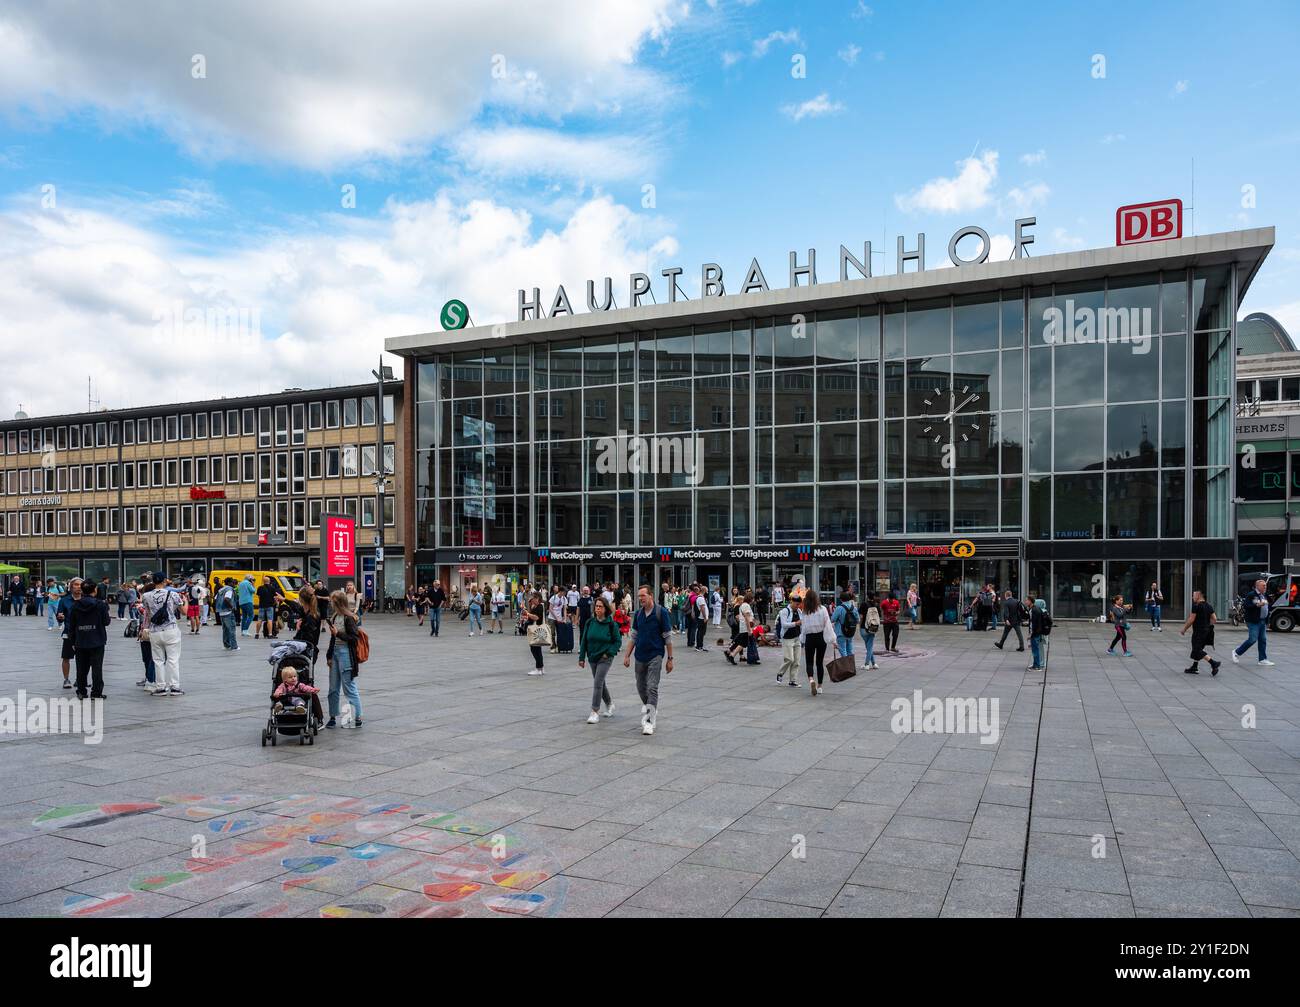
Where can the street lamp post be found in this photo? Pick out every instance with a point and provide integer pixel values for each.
(383, 374)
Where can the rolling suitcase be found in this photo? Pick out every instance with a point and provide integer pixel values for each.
(564, 637)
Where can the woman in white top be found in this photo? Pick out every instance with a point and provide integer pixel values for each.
(716, 597)
(816, 624)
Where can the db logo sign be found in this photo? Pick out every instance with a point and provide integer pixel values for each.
(1143, 222)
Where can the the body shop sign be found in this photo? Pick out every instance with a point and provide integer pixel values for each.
(338, 546)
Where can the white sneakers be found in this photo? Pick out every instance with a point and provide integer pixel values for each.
(1266, 663)
(594, 718)
(609, 709)
(648, 714)
(1235, 658)
(536, 671)
(647, 728)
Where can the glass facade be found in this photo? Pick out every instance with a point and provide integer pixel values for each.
(941, 417)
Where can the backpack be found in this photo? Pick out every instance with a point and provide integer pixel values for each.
(161, 617)
(1047, 624)
(850, 620)
(793, 630)
(873, 619)
(363, 646)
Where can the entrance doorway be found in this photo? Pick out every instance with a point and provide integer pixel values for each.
(940, 588)
(832, 578)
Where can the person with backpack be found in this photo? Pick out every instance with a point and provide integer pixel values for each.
(343, 657)
(844, 619)
(601, 641)
(1013, 614)
(163, 606)
(87, 628)
(1040, 627)
(789, 630)
(650, 640)
(870, 627)
(227, 606)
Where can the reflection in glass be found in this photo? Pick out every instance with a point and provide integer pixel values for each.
(837, 336)
(928, 507)
(1078, 509)
(1078, 443)
(837, 513)
(837, 394)
(975, 323)
(1131, 504)
(1131, 433)
(929, 327)
(974, 505)
(1173, 435)
(1133, 370)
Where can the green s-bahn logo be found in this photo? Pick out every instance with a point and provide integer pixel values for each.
(454, 315)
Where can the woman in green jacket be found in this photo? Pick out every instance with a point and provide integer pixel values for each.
(601, 639)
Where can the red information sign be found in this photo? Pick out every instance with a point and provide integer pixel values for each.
(339, 546)
(1143, 222)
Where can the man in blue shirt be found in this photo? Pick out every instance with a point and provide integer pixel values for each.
(1255, 605)
(246, 592)
(650, 640)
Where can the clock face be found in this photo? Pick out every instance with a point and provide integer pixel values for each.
(955, 404)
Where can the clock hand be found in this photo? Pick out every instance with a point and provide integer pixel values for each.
(968, 401)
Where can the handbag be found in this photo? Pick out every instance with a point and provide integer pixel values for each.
(841, 669)
(539, 635)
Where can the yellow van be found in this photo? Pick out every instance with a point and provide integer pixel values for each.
(285, 582)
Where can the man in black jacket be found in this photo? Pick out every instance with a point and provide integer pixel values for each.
(86, 624)
(1011, 619)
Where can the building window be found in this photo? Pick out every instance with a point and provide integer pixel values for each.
(264, 475)
(201, 517)
(245, 468)
(201, 426)
(299, 473)
(128, 432)
(173, 472)
(314, 464)
(218, 517)
(332, 469)
(281, 426)
(264, 430)
(315, 415)
(349, 459)
(349, 412)
(331, 415)
(173, 428)
(250, 516)
(313, 513)
(249, 420)
(218, 424)
(187, 427)
(172, 515)
(187, 471)
(388, 409)
(367, 412)
(281, 473)
(298, 420)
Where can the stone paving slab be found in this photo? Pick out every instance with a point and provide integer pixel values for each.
(1123, 786)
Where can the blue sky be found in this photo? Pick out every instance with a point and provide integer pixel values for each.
(494, 146)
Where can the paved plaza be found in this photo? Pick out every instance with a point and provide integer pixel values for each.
(1118, 788)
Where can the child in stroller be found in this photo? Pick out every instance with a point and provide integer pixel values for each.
(296, 708)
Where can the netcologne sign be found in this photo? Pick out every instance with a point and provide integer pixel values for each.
(712, 283)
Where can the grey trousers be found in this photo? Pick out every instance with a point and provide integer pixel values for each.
(647, 680)
(599, 692)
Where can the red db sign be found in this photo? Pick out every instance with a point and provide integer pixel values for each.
(1144, 222)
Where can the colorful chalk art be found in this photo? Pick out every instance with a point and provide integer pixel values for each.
(334, 857)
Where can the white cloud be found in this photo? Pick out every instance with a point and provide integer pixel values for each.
(1034, 158)
(970, 189)
(790, 37)
(1025, 198)
(1180, 87)
(862, 11)
(850, 53)
(813, 108)
(323, 83)
(730, 58)
(1287, 314)
(522, 151)
(1063, 239)
(1110, 138)
(87, 290)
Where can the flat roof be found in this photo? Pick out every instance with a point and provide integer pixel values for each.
(289, 395)
(1247, 248)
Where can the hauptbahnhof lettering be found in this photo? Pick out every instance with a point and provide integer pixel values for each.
(848, 431)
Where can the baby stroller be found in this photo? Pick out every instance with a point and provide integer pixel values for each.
(291, 721)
